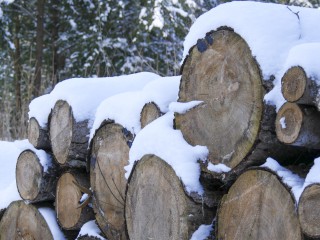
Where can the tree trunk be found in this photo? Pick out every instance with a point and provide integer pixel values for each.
(36, 182)
(69, 139)
(157, 205)
(22, 221)
(309, 214)
(150, 112)
(54, 16)
(258, 206)
(70, 214)
(37, 135)
(39, 48)
(297, 87)
(298, 125)
(233, 121)
(109, 155)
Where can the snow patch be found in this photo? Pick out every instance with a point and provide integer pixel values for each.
(218, 168)
(283, 122)
(183, 107)
(50, 217)
(203, 232)
(161, 139)
(91, 229)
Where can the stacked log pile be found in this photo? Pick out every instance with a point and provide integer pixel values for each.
(86, 178)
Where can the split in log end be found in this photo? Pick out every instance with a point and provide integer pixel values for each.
(68, 194)
(293, 84)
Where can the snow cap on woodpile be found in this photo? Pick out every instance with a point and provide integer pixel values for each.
(85, 94)
(125, 108)
(270, 30)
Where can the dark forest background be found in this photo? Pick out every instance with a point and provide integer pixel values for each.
(44, 42)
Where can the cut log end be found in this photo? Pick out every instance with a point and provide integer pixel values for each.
(227, 79)
(37, 135)
(149, 113)
(109, 156)
(258, 206)
(157, 206)
(309, 214)
(61, 125)
(68, 195)
(288, 123)
(22, 221)
(29, 175)
(293, 84)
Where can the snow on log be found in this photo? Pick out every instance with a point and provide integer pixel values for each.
(298, 125)
(233, 120)
(22, 221)
(108, 156)
(37, 135)
(308, 210)
(36, 177)
(149, 112)
(157, 206)
(258, 206)
(69, 139)
(72, 210)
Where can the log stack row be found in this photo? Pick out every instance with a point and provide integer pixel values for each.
(297, 124)
(240, 131)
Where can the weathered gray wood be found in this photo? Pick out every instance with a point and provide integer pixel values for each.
(70, 215)
(297, 87)
(108, 157)
(157, 206)
(149, 113)
(233, 121)
(298, 125)
(69, 139)
(257, 206)
(22, 221)
(37, 135)
(33, 182)
(309, 213)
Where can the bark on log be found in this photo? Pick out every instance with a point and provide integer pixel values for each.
(298, 125)
(258, 206)
(109, 154)
(308, 209)
(22, 221)
(37, 135)
(149, 113)
(297, 87)
(69, 139)
(233, 121)
(70, 214)
(157, 206)
(34, 182)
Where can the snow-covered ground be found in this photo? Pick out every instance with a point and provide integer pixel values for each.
(278, 36)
